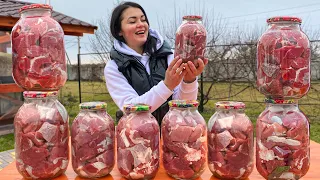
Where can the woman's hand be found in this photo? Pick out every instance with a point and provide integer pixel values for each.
(192, 71)
(175, 73)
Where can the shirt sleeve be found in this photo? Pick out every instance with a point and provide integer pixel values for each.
(185, 91)
(122, 92)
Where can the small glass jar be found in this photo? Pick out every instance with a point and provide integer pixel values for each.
(184, 135)
(93, 141)
(282, 141)
(283, 60)
(230, 141)
(190, 42)
(41, 136)
(138, 137)
(38, 52)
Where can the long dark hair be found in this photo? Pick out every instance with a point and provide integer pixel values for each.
(115, 25)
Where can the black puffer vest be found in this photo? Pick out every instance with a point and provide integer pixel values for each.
(138, 76)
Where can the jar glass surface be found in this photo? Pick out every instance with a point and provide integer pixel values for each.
(138, 142)
(41, 136)
(93, 141)
(190, 39)
(230, 141)
(184, 136)
(38, 52)
(282, 142)
(283, 60)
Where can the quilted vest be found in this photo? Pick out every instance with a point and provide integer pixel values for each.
(138, 77)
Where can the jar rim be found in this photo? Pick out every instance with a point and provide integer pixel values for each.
(284, 18)
(136, 107)
(192, 17)
(39, 94)
(183, 103)
(96, 105)
(35, 6)
(280, 101)
(230, 105)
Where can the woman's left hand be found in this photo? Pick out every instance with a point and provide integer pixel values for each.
(193, 71)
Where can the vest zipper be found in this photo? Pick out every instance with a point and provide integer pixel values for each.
(144, 68)
(151, 77)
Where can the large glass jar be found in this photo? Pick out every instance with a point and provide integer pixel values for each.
(282, 141)
(138, 137)
(184, 135)
(190, 42)
(38, 53)
(93, 141)
(41, 136)
(230, 141)
(283, 59)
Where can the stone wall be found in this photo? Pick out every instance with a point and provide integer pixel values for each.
(88, 72)
(5, 64)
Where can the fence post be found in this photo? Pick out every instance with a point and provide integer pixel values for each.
(201, 93)
(79, 77)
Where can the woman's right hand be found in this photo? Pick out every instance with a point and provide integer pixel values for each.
(174, 73)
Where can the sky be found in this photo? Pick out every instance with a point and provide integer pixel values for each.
(235, 13)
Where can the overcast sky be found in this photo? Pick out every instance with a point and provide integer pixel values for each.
(248, 12)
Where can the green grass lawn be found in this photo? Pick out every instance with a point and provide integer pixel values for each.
(91, 91)
(96, 91)
(6, 142)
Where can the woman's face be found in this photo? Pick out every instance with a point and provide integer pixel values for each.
(134, 27)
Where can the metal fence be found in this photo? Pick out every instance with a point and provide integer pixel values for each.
(229, 75)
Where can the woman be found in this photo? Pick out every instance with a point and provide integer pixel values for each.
(142, 67)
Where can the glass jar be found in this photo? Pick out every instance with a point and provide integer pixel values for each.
(41, 136)
(38, 53)
(93, 141)
(184, 135)
(282, 141)
(283, 60)
(138, 137)
(190, 42)
(230, 141)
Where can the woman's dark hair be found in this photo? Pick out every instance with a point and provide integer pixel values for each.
(115, 25)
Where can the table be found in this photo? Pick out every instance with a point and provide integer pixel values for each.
(10, 172)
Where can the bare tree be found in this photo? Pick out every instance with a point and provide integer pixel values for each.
(102, 40)
(231, 51)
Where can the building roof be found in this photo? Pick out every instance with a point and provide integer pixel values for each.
(9, 15)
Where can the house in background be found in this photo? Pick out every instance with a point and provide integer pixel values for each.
(10, 94)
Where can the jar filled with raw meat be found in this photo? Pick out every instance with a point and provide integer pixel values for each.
(283, 59)
(282, 141)
(138, 137)
(230, 141)
(184, 136)
(190, 42)
(38, 52)
(41, 136)
(93, 141)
